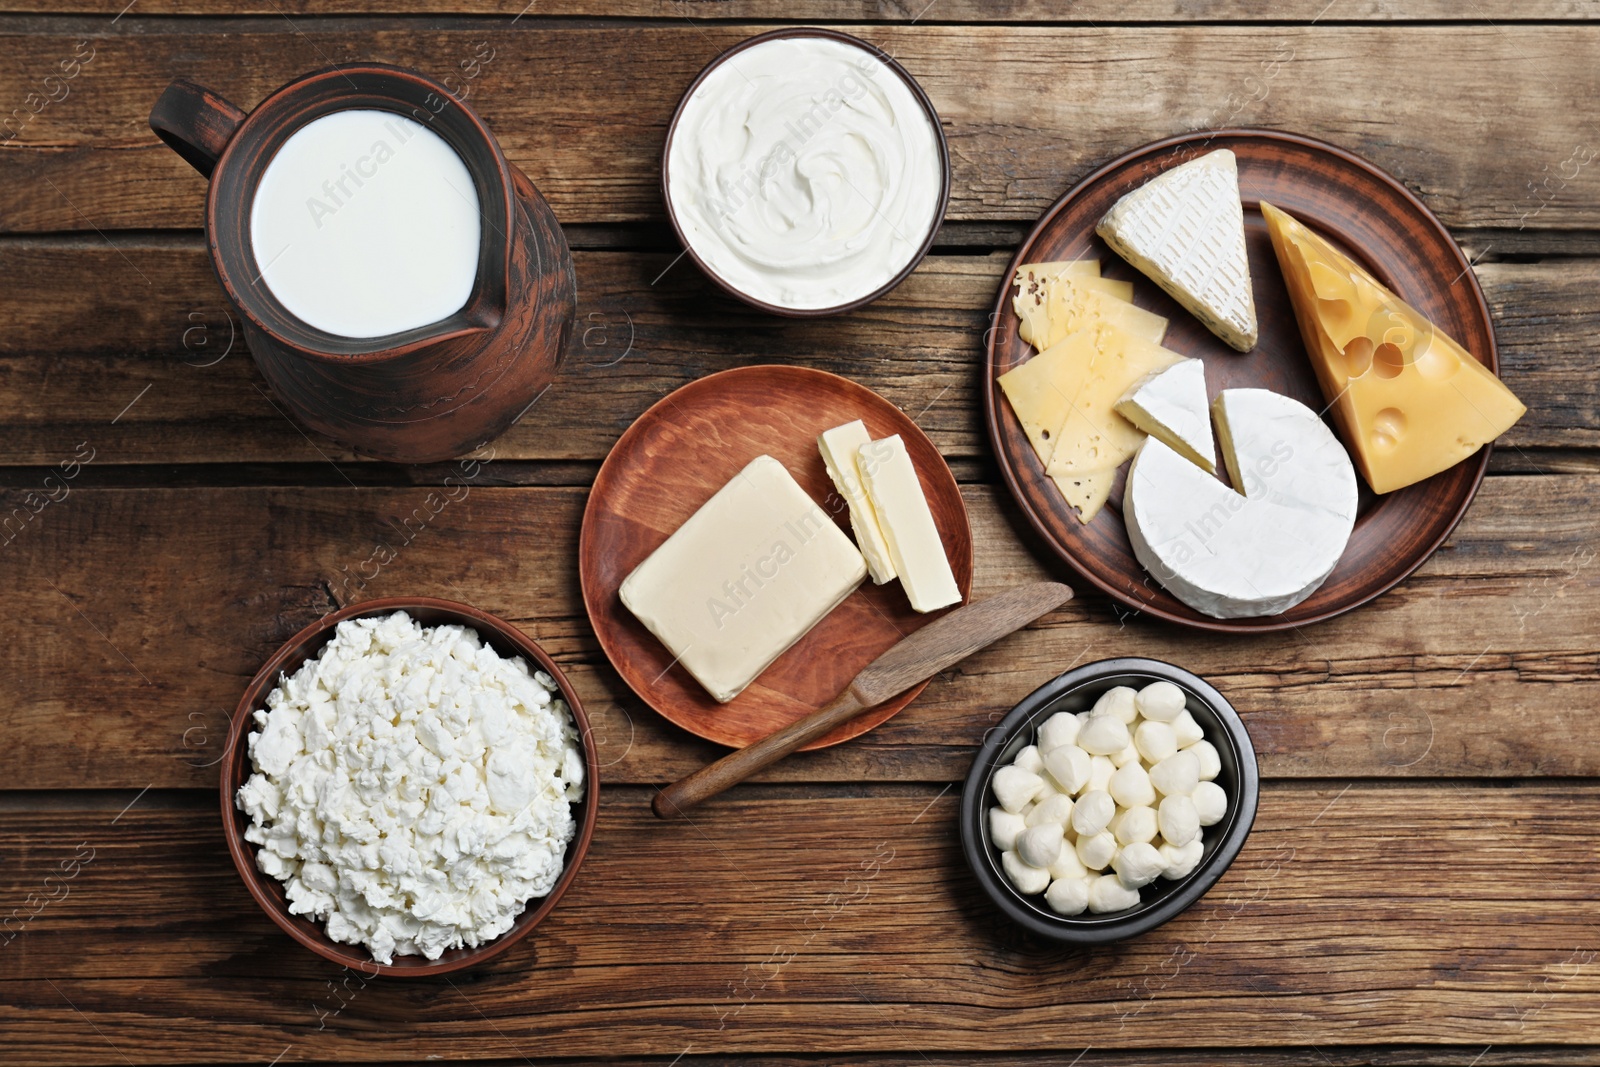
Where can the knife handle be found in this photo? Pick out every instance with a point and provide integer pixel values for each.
(736, 766)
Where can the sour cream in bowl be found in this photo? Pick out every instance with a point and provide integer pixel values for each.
(805, 171)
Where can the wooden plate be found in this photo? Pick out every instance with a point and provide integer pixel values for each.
(671, 461)
(1365, 213)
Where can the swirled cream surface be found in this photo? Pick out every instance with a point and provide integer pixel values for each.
(804, 172)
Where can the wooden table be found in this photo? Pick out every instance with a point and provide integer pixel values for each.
(1421, 882)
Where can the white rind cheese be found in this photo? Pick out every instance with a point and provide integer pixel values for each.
(908, 525)
(840, 447)
(1256, 552)
(1171, 404)
(1185, 229)
(742, 580)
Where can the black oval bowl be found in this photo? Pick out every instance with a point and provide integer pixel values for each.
(1077, 691)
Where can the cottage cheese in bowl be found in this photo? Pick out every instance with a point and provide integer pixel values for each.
(412, 788)
(804, 172)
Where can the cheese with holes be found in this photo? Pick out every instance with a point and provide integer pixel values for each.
(1086, 493)
(1260, 550)
(908, 526)
(742, 580)
(1029, 300)
(1409, 401)
(1074, 305)
(1105, 362)
(839, 447)
(1171, 404)
(1185, 229)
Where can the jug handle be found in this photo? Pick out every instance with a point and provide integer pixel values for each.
(195, 122)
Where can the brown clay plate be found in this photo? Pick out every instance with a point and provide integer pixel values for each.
(1361, 210)
(671, 461)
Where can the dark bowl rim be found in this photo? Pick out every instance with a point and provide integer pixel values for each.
(916, 91)
(1096, 930)
(489, 627)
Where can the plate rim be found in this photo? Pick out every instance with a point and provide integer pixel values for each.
(592, 604)
(1260, 624)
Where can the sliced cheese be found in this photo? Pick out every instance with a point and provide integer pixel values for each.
(908, 526)
(1185, 229)
(1041, 392)
(1171, 404)
(742, 580)
(1409, 401)
(1029, 300)
(1105, 362)
(1086, 493)
(839, 447)
(1074, 306)
(1263, 546)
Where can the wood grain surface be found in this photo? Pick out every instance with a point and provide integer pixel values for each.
(1419, 886)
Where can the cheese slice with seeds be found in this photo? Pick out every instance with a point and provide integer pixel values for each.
(1172, 405)
(1185, 229)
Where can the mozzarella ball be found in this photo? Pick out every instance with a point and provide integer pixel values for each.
(1135, 825)
(1161, 701)
(1177, 775)
(1131, 786)
(1069, 766)
(1118, 701)
(1180, 820)
(1068, 865)
(1028, 880)
(1059, 729)
(1104, 735)
(1014, 787)
(1040, 845)
(1210, 762)
(1126, 756)
(1107, 893)
(1101, 768)
(1210, 803)
(1057, 808)
(1068, 896)
(1095, 850)
(1179, 860)
(1138, 864)
(1029, 760)
(1093, 812)
(1004, 826)
(1155, 741)
(1187, 731)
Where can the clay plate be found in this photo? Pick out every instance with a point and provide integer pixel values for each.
(1363, 212)
(671, 461)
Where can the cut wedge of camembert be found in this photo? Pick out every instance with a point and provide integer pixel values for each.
(1171, 404)
(1259, 550)
(1409, 400)
(1185, 229)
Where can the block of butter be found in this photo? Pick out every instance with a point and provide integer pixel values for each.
(908, 526)
(747, 576)
(840, 446)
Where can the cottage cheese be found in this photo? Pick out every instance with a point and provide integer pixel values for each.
(413, 789)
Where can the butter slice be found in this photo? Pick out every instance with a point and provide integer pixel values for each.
(742, 580)
(908, 525)
(840, 447)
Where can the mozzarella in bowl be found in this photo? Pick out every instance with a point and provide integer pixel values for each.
(412, 788)
(804, 173)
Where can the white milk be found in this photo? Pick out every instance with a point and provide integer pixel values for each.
(366, 223)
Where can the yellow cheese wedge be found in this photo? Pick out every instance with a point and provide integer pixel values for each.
(1086, 493)
(1105, 362)
(1408, 400)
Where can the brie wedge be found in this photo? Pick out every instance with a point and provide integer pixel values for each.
(839, 447)
(1259, 550)
(1185, 229)
(1171, 404)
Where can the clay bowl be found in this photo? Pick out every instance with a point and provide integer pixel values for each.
(506, 640)
(916, 91)
(1162, 900)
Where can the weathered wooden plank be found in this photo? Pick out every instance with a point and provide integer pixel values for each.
(781, 922)
(1031, 12)
(146, 611)
(1027, 109)
(87, 336)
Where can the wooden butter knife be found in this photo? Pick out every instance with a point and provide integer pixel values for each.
(942, 643)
